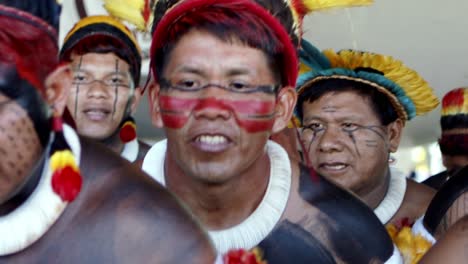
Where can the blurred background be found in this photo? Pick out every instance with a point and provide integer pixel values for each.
(427, 35)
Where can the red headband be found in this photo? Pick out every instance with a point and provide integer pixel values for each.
(32, 49)
(290, 67)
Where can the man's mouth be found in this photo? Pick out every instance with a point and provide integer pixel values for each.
(212, 140)
(333, 166)
(211, 143)
(96, 114)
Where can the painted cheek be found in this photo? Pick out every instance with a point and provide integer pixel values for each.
(175, 112)
(252, 115)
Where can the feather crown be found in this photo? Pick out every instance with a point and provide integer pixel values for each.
(455, 102)
(283, 16)
(454, 114)
(408, 92)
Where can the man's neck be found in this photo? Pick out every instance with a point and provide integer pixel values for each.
(374, 195)
(113, 142)
(223, 205)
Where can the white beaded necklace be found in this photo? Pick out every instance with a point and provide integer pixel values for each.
(261, 222)
(393, 198)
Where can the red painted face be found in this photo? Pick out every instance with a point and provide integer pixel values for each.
(252, 115)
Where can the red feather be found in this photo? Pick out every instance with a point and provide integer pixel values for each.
(146, 11)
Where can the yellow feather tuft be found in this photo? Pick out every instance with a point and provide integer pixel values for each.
(314, 5)
(415, 87)
(127, 10)
(61, 159)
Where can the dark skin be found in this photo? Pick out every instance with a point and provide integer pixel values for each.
(220, 170)
(119, 216)
(102, 96)
(452, 247)
(346, 142)
(457, 210)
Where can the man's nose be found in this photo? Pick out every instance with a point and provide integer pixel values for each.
(330, 140)
(97, 89)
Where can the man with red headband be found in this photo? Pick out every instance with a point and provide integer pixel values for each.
(223, 82)
(64, 199)
(106, 63)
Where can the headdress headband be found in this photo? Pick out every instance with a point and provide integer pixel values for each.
(34, 70)
(408, 92)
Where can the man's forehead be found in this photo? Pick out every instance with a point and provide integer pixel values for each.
(98, 63)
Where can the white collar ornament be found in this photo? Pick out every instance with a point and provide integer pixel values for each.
(130, 150)
(261, 222)
(393, 198)
(33, 218)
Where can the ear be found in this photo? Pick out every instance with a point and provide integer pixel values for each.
(137, 94)
(394, 131)
(286, 101)
(153, 97)
(58, 85)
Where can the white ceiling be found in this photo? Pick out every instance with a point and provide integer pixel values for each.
(429, 36)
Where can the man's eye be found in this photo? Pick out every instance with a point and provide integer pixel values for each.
(79, 78)
(349, 126)
(315, 127)
(116, 80)
(238, 86)
(187, 84)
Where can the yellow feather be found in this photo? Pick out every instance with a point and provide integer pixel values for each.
(128, 10)
(415, 87)
(313, 5)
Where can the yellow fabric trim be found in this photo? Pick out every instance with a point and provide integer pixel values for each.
(88, 21)
(415, 87)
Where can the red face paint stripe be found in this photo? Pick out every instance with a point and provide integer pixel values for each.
(246, 107)
(174, 121)
(174, 111)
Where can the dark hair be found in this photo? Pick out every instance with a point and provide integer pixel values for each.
(105, 44)
(379, 102)
(454, 121)
(229, 25)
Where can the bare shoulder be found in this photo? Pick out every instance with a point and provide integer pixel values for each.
(322, 214)
(457, 210)
(417, 198)
(452, 247)
(149, 223)
(419, 191)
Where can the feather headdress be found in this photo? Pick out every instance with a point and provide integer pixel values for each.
(408, 92)
(455, 106)
(139, 12)
(454, 122)
(283, 16)
(109, 28)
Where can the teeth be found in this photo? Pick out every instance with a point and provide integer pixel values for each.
(335, 167)
(212, 139)
(96, 111)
